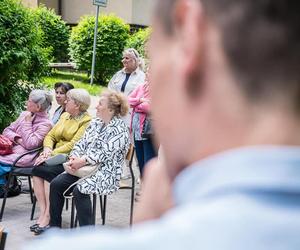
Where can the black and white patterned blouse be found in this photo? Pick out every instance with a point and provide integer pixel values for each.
(105, 146)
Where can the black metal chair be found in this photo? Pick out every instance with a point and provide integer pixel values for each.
(19, 171)
(103, 198)
(3, 236)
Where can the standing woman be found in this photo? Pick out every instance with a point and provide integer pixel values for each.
(139, 101)
(61, 139)
(61, 89)
(128, 78)
(125, 81)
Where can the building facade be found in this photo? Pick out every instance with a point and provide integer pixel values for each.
(134, 12)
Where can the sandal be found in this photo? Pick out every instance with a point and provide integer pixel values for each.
(33, 227)
(39, 230)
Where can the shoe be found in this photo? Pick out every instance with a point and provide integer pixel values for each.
(39, 230)
(33, 227)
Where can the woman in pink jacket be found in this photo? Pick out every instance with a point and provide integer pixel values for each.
(140, 124)
(27, 132)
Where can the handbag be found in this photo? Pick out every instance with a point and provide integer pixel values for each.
(147, 130)
(84, 171)
(56, 160)
(6, 145)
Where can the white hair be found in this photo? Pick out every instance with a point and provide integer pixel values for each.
(136, 56)
(42, 98)
(80, 97)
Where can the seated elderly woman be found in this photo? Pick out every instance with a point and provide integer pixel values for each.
(27, 132)
(104, 144)
(61, 139)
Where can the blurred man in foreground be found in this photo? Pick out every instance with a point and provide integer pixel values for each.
(226, 102)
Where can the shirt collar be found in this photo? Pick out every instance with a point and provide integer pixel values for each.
(133, 73)
(256, 168)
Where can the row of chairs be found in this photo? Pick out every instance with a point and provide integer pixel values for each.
(27, 172)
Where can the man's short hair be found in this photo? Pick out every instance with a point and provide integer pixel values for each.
(261, 39)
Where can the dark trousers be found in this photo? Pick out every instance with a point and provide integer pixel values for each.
(57, 187)
(84, 207)
(144, 152)
(82, 201)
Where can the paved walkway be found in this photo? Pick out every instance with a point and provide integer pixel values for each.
(16, 219)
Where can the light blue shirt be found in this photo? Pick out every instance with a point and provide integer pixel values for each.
(246, 199)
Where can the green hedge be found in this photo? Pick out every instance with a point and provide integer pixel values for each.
(22, 59)
(55, 33)
(138, 41)
(111, 40)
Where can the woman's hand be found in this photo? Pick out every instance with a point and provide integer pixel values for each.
(19, 141)
(43, 156)
(76, 162)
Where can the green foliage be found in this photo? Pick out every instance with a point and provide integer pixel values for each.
(79, 80)
(111, 40)
(138, 41)
(22, 59)
(55, 33)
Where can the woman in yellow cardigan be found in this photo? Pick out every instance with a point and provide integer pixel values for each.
(61, 139)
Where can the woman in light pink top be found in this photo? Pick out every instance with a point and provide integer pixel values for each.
(28, 131)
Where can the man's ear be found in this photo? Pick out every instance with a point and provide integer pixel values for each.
(189, 30)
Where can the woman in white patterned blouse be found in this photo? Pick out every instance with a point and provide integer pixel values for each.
(105, 144)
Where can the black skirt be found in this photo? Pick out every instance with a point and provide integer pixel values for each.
(47, 173)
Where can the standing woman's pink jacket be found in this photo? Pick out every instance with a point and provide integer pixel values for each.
(142, 91)
(32, 134)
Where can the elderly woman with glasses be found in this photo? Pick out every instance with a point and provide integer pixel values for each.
(60, 140)
(27, 132)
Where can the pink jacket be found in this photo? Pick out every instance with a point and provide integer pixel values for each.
(142, 91)
(32, 134)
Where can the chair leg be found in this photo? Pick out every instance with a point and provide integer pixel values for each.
(6, 186)
(33, 208)
(132, 190)
(30, 189)
(132, 203)
(67, 204)
(103, 208)
(72, 213)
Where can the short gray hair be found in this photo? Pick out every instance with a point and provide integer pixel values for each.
(81, 97)
(42, 98)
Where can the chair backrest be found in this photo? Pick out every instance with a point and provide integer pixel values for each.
(3, 236)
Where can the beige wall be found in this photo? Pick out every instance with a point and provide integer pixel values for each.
(73, 9)
(30, 3)
(132, 11)
(51, 4)
(142, 11)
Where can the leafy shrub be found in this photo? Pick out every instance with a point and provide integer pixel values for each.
(21, 58)
(55, 33)
(111, 40)
(138, 41)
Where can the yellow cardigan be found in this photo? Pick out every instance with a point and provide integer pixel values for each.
(66, 132)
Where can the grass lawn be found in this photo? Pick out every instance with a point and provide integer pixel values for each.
(79, 80)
